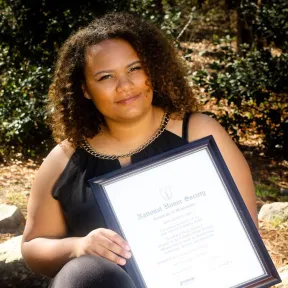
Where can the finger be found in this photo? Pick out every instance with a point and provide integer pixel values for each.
(113, 247)
(114, 237)
(105, 253)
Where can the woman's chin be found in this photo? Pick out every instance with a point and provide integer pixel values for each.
(132, 114)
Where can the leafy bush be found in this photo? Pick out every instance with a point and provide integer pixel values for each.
(33, 31)
(255, 88)
(254, 85)
(170, 15)
(31, 34)
(272, 24)
(22, 107)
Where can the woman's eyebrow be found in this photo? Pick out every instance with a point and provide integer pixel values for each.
(103, 71)
(108, 71)
(133, 63)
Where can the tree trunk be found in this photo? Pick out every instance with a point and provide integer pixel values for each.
(244, 27)
(200, 3)
(246, 18)
(260, 41)
(159, 9)
(285, 144)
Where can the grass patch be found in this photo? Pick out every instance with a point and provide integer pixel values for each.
(18, 199)
(269, 193)
(264, 191)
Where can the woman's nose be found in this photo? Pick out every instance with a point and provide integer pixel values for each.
(124, 84)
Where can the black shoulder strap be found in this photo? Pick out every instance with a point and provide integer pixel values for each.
(185, 125)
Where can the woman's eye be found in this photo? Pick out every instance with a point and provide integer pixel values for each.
(135, 68)
(105, 77)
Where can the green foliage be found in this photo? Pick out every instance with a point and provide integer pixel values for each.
(265, 191)
(169, 15)
(254, 85)
(272, 24)
(31, 34)
(22, 98)
(255, 88)
(267, 23)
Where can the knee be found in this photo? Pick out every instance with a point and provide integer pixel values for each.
(89, 271)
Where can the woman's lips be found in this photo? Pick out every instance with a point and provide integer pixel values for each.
(128, 99)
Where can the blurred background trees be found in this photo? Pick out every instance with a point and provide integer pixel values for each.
(236, 53)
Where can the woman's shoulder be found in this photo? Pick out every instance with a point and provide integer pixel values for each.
(66, 147)
(55, 162)
(61, 153)
(201, 125)
(197, 125)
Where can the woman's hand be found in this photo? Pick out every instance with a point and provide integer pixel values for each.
(105, 243)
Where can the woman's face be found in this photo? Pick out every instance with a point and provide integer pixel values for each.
(115, 81)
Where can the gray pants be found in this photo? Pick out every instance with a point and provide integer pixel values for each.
(90, 271)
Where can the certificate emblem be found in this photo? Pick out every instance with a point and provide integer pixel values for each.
(166, 193)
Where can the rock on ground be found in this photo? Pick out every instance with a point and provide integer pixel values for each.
(13, 270)
(276, 213)
(10, 217)
(283, 273)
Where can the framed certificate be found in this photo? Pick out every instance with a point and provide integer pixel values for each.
(185, 221)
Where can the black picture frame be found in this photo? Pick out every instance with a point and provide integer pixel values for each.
(98, 187)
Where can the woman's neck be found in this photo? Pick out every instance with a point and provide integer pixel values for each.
(137, 130)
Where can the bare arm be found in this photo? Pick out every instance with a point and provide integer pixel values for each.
(201, 125)
(45, 247)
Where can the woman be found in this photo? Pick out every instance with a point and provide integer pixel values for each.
(118, 96)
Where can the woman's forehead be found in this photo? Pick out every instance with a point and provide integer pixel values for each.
(112, 48)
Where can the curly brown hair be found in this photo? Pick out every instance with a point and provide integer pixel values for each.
(73, 116)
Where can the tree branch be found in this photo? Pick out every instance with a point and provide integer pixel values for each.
(185, 27)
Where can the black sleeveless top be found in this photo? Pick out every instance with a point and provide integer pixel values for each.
(80, 209)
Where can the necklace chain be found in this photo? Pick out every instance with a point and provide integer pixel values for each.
(159, 131)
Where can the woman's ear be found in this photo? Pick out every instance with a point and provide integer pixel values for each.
(86, 95)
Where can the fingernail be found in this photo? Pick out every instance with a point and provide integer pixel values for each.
(121, 261)
(128, 255)
(128, 247)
